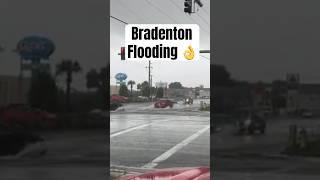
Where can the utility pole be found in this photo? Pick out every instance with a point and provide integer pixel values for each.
(149, 78)
(149, 68)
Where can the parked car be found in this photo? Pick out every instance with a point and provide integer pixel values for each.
(252, 124)
(19, 143)
(25, 116)
(163, 103)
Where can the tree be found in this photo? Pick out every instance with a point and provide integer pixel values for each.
(145, 89)
(175, 85)
(98, 80)
(278, 94)
(131, 83)
(92, 79)
(138, 86)
(153, 91)
(160, 92)
(221, 77)
(43, 93)
(123, 91)
(68, 67)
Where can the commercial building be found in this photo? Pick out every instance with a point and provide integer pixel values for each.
(309, 97)
(114, 90)
(180, 93)
(204, 92)
(13, 90)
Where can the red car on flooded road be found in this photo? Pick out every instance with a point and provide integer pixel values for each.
(163, 103)
(200, 173)
(118, 99)
(25, 116)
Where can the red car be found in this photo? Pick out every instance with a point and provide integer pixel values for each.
(163, 104)
(118, 99)
(200, 173)
(26, 116)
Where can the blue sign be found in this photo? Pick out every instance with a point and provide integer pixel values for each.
(121, 77)
(35, 48)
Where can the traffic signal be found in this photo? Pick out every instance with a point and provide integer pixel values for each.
(198, 2)
(122, 53)
(188, 6)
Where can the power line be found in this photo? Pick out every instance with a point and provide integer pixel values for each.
(125, 5)
(205, 11)
(160, 10)
(175, 4)
(205, 30)
(204, 57)
(118, 19)
(204, 20)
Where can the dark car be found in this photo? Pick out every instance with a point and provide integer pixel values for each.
(25, 116)
(163, 103)
(19, 143)
(188, 100)
(252, 124)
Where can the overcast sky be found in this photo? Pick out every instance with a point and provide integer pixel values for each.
(256, 40)
(262, 40)
(159, 12)
(78, 29)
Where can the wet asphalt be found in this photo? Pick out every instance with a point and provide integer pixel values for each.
(144, 135)
(250, 157)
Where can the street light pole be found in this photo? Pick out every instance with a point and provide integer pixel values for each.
(205, 51)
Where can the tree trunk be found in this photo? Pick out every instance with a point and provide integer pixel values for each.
(69, 80)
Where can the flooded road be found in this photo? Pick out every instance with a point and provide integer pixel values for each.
(146, 137)
(140, 136)
(258, 156)
(72, 154)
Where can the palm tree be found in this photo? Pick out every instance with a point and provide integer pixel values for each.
(68, 67)
(131, 83)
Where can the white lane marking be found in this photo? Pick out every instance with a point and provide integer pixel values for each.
(112, 135)
(129, 130)
(175, 149)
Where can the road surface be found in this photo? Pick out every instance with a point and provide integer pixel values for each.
(72, 154)
(145, 137)
(259, 156)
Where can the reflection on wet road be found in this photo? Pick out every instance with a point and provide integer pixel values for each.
(72, 154)
(258, 156)
(143, 136)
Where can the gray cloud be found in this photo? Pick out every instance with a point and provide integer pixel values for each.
(162, 12)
